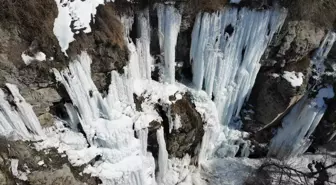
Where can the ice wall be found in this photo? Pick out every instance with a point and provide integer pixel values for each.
(294, 137)
(225, 52)
(169, 27)
(163, 155)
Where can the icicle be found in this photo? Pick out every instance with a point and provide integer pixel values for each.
(169, 27)
(143, 136)
(21, 120)
(322, 53)
(163, 155)
(10, 120)
(225, 52)
(143, 46)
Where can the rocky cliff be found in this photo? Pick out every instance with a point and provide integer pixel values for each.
(100, 93)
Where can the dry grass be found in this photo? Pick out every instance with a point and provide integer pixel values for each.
(35, 17)
(108, 23)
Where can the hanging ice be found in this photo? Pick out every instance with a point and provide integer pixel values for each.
(169, 27)
(293, 138)
(21, 121)
(107, 125)
(145, 60)
(163, 155)
(225, 52)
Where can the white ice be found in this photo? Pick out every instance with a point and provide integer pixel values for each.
(169, 27)
(225, 52)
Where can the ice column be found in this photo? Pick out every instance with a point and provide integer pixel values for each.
(143, 45)
(293, 138)
(21, 120)
(169, 27)
(163, 155)
(225, 52)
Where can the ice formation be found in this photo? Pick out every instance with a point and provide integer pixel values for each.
(225, 52)
(144, 60)
(293, 138)
(169, 27)
(18, 119)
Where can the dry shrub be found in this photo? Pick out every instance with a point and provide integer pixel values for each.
(108, 23)
(320, 12)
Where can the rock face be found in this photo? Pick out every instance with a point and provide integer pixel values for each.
(273, 95)
(296, 40)
(290, 51)
(45, 167)
(187, 131)
(183, 128)
(28, 29)
(106, 45)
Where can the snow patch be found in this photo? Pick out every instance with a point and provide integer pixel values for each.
(296, 79)
(39, 56)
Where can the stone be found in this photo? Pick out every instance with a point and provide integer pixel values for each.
(46, 120)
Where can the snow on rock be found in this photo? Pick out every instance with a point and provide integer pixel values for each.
(294, 78)
(225, 53)
(39, 56)
(17, 173)
(169, 27)
(73, 15)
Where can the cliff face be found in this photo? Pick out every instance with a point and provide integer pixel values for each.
(139, 36)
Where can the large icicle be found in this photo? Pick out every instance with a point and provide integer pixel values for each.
(293, 138)
(169, 27)
(143, 45)
(163, 155)
(225, 53)
(21, 121)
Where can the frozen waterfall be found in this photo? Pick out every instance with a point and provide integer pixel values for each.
(169, 27)
(107, 124)
(294, 136)
(225, 52)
